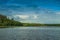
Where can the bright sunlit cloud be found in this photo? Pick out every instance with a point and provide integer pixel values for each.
(22, 16)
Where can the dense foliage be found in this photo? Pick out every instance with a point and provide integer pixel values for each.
(4, 21)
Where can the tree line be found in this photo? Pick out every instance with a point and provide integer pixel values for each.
(4, 21)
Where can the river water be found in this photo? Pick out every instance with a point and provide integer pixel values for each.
(30, 33)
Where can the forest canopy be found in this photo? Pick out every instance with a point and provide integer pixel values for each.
(4, 21)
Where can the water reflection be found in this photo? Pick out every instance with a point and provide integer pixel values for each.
(30, 33)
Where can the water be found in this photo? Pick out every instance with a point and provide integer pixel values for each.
(30, 33)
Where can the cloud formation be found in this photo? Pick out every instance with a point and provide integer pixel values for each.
(33, 11)
(26, 16)
(22, 16)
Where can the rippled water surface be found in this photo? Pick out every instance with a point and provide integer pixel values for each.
(30, 33)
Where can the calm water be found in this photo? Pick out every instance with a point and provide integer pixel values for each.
(30, 33)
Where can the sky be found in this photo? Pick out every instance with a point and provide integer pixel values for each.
(32, 11)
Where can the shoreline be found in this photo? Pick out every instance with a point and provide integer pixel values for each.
(25, 26)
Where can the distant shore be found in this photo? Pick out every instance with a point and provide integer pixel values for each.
(32, 25)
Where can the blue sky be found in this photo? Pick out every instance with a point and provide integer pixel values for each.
(32, 11)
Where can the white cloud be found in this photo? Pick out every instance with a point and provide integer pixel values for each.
(35, 16)
(22, 16)
(26, 16)
(57, 12)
